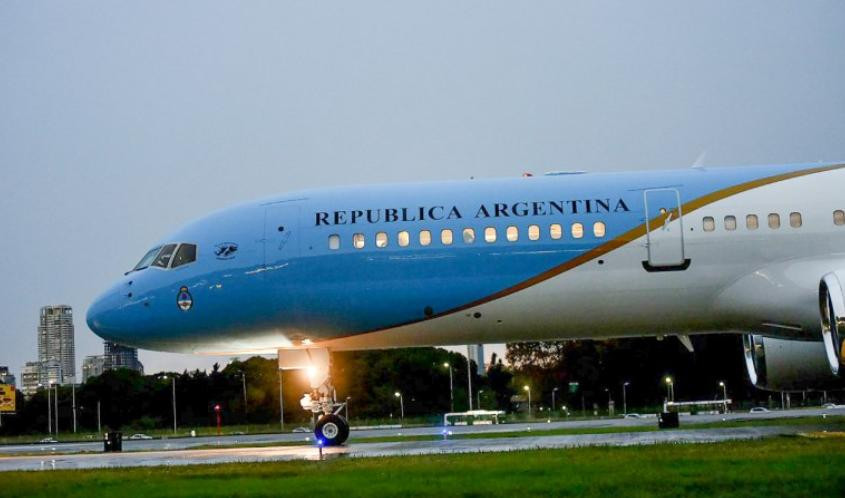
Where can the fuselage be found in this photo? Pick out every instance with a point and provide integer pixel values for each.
(590, 255)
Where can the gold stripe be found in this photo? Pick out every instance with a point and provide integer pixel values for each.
(638, 232)
(619, 241)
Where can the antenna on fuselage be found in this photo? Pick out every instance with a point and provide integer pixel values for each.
(699, 162)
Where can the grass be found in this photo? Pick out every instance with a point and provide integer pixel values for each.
(784, 466)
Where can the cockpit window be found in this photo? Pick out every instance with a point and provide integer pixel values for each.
(147, 259)
(164, 256)
(187, 253)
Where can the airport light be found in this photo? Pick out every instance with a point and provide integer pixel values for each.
(625, 397)
(173, 379)
(528, 390)
(217, 412)
(554, 391)
(451, 388)
(670, 388)
(397, 394)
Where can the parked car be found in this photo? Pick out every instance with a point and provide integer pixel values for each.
(829, 405)
(759, 409)
(47, 440)
(633, 415)
(301, 429)
(140, 436)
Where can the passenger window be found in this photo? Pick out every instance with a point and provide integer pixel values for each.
(512, 233)
(381, 240)
(730, 222)
(577, 230)
(187, 253)
(469, 235)
(555, 231)
(709, 224)
(404, 238)
(163, 258)
(774, 220)
(795, 220)
(358, 241)
(533, 232)
(839, 217)
(599, 229)
(751, 222)
(334, 242)
(425, 237)
(446, 237)
(490, 234)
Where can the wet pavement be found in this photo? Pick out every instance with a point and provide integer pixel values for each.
(361, 450)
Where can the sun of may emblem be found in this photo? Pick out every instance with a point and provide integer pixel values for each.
(184, 299)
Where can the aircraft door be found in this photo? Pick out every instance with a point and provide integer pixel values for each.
(281, 233)
(665, 230)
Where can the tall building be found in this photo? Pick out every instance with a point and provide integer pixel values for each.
(117, 356)
(6, 377)
(114, 356)
(55, 345)
(30, 378)
(93, 366)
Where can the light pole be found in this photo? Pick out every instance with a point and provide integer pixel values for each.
(528, 390)
(243, 381)
(401, 407)
(173, 379)
(469, 376)
(625, 397)
(451, 388)
(724, 394)
(281, 404)
(346, 407)
(554, 391)
(478, 400)
(56, 411)
(73, 403)
(99, 429)
(670, 389)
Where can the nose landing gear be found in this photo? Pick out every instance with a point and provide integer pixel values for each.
(331, 428)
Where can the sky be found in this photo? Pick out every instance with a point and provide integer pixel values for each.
(121, 121)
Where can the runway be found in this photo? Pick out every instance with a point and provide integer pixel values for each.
(362, 450)
(306, 438)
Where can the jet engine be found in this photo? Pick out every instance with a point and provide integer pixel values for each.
(787, 365)
(832, 310)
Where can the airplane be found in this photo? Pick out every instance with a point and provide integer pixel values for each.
(754, 250)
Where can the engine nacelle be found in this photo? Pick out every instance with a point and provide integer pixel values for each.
(787, 365)
(832, 311)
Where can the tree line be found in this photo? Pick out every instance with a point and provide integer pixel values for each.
(583, 374)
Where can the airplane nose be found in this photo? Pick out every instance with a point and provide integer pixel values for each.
(102, 317)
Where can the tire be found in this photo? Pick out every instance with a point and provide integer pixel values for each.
(332, 429)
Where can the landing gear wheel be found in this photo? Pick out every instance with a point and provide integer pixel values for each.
(332, 429)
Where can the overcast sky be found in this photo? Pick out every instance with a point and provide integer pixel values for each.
(119, 122)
